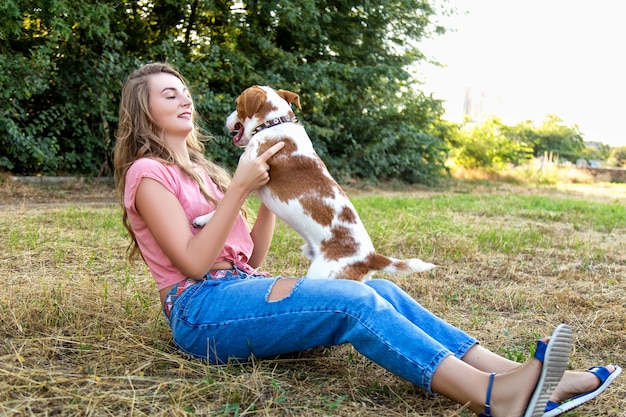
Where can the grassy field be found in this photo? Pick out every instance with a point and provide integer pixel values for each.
(82, 333)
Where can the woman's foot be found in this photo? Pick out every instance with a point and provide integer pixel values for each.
(576, 383)
(569, 395)
(512, 390)
(526, 389)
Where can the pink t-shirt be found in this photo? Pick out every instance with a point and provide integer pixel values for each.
(238, 247)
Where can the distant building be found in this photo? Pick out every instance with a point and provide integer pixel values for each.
(582, 163)
(481, 104)
(594, 145)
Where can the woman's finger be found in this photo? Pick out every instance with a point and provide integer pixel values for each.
(271, 151)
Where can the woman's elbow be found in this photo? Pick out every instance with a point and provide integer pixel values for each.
(190, 270)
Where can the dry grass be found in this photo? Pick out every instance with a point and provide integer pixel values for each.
(82, 334)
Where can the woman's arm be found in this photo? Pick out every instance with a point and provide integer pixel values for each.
(261, 234)
(193, 254)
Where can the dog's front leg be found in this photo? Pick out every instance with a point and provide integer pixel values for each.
(200, 221)
(252, 149)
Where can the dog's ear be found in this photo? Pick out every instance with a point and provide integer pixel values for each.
(250, 101)
(290, 97)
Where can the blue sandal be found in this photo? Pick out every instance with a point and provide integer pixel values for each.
(554, 356)
(606, 378)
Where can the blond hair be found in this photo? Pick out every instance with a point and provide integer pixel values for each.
(138, 136)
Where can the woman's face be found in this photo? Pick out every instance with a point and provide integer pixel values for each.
(170, 105)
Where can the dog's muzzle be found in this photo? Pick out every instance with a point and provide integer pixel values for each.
(238, 131)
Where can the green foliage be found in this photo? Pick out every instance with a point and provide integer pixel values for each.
(617, 157)
(597, 151)
(489, 146)
(492, 145)
(62, 63)
(553, 137)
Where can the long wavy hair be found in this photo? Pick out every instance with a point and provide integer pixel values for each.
(138, 136)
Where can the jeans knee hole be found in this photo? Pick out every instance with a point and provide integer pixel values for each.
(281, 288)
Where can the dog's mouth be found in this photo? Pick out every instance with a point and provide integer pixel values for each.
(238, 131)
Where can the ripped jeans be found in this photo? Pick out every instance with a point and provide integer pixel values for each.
(231, 318)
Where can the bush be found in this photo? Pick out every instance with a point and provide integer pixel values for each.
(486, 146)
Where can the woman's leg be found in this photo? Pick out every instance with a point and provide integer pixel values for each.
(268, 317)
(572, 384)
(455, 340)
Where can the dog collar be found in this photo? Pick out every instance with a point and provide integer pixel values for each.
(274, 122)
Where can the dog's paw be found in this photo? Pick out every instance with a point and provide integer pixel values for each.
(200, 221)
(307, 251)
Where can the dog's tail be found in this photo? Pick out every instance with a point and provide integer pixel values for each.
(399, 266)
(363, 270)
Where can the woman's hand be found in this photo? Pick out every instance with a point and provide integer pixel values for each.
(253, 173)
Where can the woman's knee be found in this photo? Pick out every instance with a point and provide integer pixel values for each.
(339, 291)
(282, 288)
(383, 286)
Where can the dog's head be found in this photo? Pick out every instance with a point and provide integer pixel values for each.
(258, 105)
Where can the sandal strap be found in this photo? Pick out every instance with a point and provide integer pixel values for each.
(601, 372)
(487, 412)
(540, 351)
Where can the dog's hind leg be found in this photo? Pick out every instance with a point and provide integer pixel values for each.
(307, 251)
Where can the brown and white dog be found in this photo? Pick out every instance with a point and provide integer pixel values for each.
(303, 194)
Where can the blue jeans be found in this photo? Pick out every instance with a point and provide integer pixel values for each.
(231, 318)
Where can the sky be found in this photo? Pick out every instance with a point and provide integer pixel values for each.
(530, 58)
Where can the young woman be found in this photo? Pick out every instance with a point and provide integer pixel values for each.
(219, 307)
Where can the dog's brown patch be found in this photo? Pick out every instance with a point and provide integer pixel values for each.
(287, 169)
(355, 271)
(320, 211)
(299, 177)
(373, 262)
(348, 215)
(340, 245)
(401, 266)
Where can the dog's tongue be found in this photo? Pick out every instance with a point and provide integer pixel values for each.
(238, 134)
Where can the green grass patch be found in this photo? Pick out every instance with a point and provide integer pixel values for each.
(82, 333)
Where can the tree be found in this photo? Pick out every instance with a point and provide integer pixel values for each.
(490, 145)
(63, 62)
(552, 136)
(617, 157)
(347, 60)
(59, 66)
